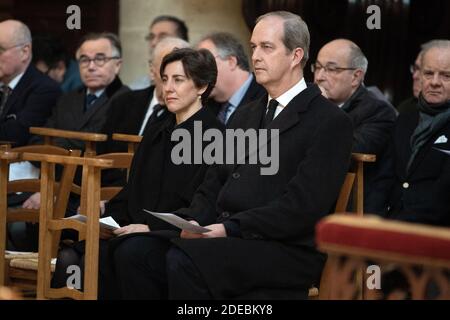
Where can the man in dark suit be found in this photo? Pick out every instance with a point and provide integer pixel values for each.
(235, 85)
(26, 95)
(420, 168)
(339, 70)
(261, 243)
(99, 60)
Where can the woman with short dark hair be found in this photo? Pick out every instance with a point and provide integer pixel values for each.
(156, 182)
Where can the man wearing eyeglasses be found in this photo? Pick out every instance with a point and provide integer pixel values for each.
(160, 28)
(99, 59)
(26, 95)
(339, 71)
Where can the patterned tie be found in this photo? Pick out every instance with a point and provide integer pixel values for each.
(273, 104)
(222, 115)
(90, 99)
(5, 92)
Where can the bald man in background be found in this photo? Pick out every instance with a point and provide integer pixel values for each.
(339, 71)
(26, 95)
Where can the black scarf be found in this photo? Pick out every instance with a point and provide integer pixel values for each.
(433, 117)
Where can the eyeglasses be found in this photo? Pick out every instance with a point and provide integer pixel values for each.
(159, 36)
(330, 69)
(99, 60)
(413, 68)
(3, 50)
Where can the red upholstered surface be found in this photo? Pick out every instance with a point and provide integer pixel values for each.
(382, 240)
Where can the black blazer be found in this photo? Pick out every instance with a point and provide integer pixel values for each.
(373, 121)
(155, 183)
(276, 214)
(254, 92)
(29, 105)
(69, 113)
(422, 194)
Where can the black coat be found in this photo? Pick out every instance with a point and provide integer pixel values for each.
(373, 120)
(254, 92)
(423, 194)
(276, 214)
(155, 183)
(69, 113)
(126, 115)
(29, 105)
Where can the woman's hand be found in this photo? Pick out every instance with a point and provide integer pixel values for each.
(131, 228)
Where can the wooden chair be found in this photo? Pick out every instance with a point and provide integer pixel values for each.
(353, 185)
(89, 139)
(131, 140)
(15, 272)
(50, 225)
(419, 253)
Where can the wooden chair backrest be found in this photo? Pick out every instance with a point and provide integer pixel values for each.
(90, 139)
(30, 185)
(131, 140)
(49, 224)
(353, 183)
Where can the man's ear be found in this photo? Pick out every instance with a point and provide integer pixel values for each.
(298, 56)
(26, 52)
(357, 78)
(232, 62)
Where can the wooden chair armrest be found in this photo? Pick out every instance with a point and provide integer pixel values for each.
(93, 162)
(364, 157)
(127, 137)
(57, 133)
(8, 155)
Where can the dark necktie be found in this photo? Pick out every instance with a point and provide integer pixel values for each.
(154, 116)
(4, 94)
(222, 115)
(273, 104)
(90, 100)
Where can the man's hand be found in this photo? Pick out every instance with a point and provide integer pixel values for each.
(217, 231)
(188, 235)
(132, 228)
(33, 202)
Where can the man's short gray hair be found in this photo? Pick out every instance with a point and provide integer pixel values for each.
(227, 45)
(357, 59)
(296, 33)
(166, 42)
(437, 43)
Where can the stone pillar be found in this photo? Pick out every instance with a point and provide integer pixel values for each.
(201, 17)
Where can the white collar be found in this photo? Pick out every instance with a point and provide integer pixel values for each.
(13, 83)
(286, 97)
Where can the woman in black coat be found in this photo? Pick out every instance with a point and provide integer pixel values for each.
(156, 182)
